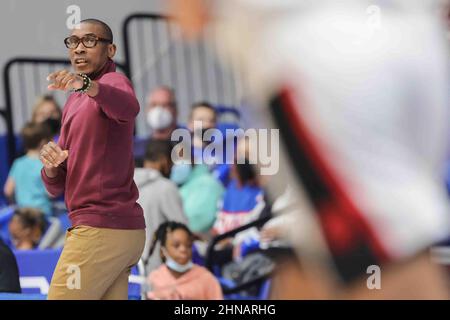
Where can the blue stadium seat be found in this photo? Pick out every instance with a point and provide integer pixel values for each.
(5, 217)
(4, 162)
(227, 113)
(4, 167)
(196, 256)
(36, 269)
(249, 246)
(223, 126)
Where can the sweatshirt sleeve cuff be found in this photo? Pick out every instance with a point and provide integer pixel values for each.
(50, 181)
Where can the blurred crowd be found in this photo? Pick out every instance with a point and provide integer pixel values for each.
(201, 199)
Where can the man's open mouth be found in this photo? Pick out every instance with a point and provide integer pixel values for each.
(80, 61)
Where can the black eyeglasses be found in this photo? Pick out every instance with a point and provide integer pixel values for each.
(89, 41)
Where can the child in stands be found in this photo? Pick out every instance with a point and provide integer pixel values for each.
(26, 228)
(178, 278)
(24, 185)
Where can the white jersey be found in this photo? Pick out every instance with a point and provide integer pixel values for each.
(364, 109)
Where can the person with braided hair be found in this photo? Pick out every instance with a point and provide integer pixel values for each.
(179, 278)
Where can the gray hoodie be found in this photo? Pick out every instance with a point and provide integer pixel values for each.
(161, 201)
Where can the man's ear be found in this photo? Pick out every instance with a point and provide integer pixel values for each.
(112, 50)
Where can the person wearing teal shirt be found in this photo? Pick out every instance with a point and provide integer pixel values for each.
(201, 194)
(24, 182)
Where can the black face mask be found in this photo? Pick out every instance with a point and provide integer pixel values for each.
(54, 125)
(246, 172)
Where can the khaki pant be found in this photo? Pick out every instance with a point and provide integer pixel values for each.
(95, 263)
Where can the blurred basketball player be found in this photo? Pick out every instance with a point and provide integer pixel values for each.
(359, 91)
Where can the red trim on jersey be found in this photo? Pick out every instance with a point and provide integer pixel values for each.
(339, 218)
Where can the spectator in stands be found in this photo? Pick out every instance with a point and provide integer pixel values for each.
(202, 113)
(26, 228)
(161, 116)
(24, 184)
(243, 194)
(162, 112)
(243, 203)
(158, 195)
(9, 273)
(201, 194)
(179, 278)
(47, 110)
(203, 116)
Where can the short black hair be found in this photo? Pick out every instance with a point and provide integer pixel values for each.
(203, 104)
(157, 149)
(106, 29)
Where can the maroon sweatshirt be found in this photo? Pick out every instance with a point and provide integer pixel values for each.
(97, 176)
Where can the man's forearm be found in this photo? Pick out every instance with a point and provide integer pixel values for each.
(115, 96)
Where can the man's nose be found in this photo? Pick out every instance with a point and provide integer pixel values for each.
(80, 48)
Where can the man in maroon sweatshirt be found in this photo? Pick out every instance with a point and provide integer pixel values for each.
(93, 164)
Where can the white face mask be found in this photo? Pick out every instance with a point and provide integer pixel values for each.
(180, 173)
(175, 266)
(159, 118)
